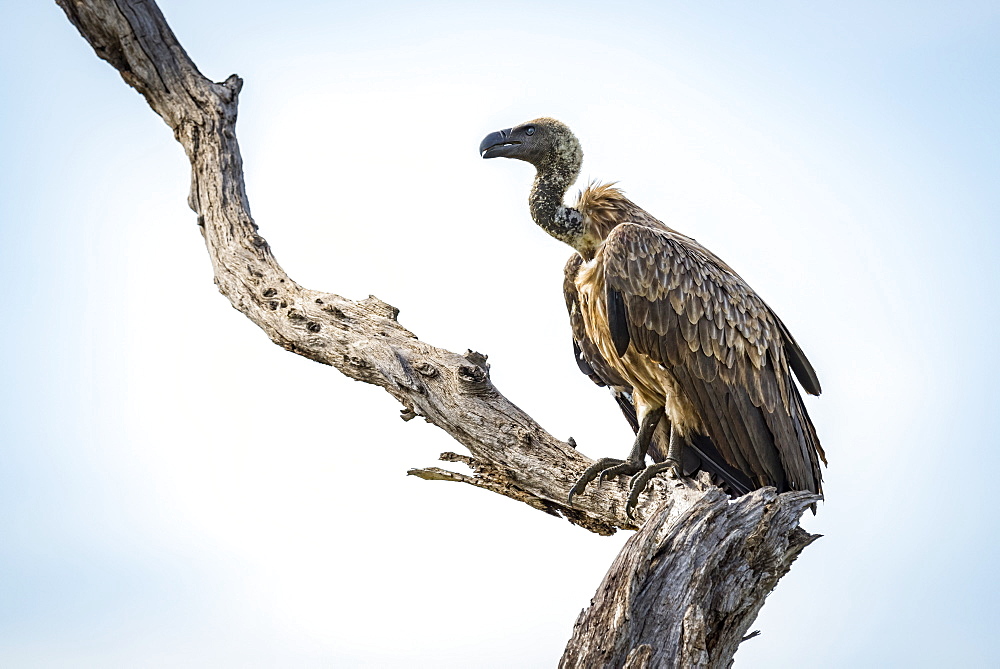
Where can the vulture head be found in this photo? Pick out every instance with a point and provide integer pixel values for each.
(545, 143)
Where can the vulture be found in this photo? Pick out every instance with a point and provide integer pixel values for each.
(700, 365)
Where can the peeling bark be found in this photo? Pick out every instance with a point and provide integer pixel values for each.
(685, 588)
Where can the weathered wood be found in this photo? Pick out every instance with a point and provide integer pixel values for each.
(687, 586)
(362, 338)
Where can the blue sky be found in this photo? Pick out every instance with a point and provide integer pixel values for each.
(177, 491)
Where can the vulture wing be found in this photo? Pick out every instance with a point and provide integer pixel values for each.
(588, 357)
(688, 311)
(592, 363)
(704, 455)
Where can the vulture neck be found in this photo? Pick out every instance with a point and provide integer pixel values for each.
(552, 180)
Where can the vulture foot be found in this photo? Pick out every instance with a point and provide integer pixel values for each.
(602, 470)
(642, 479)
(627, 467)
(606, 468)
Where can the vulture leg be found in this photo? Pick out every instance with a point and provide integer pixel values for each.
(672, 465)
(606, 468)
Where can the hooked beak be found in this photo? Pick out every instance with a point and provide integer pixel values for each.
(497, 144)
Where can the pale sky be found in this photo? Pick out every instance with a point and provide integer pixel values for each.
(175, 490)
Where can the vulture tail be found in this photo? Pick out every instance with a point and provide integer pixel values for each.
(736, 482)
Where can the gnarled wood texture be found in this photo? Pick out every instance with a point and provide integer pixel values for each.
(688, 584)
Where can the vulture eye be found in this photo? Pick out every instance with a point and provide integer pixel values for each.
(530, 130)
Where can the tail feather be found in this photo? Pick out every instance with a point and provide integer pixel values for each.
(736, 483)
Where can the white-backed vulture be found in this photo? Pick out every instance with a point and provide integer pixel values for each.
(697, 361)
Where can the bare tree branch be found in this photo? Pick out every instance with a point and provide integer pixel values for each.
(362, 338)
(687, 586)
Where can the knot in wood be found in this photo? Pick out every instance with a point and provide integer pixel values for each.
(269, 292)
(355, 361)
(478, 359)
(336, 312)
(472, 375)
(427, 369)
(312, 326)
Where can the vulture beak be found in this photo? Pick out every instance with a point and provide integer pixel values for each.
(498, 144)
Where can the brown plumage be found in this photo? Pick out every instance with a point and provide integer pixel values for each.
(668, 325)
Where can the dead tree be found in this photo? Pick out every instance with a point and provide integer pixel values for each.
(687, 585)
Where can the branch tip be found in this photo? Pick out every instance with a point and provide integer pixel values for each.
(448, 456)
(438, 474)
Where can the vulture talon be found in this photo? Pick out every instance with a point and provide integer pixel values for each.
(628, 468)
(641, 480)
(606, 468)
(602, 470)
(591, 473)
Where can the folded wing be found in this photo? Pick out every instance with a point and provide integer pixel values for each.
(730, 355)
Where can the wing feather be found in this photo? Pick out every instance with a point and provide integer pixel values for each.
(617, 322)
(730, 355)
(592, 363)
(588, 356)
